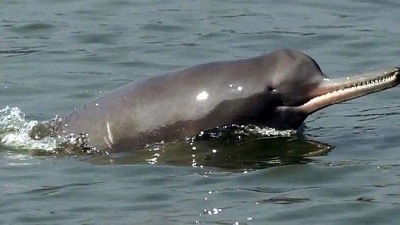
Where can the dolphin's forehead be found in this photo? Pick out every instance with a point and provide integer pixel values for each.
(294, 68)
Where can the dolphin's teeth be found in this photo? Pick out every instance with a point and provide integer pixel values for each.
(344, 93)
(365, 84)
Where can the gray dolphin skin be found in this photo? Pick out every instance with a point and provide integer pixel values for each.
(277, 90)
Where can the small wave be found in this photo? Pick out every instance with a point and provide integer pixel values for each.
(268, 132)
(252, 130)
(15, 134)
(241, 133)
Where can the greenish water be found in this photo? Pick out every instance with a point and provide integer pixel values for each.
(57, 55)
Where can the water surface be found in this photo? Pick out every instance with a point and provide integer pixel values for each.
(57, 55)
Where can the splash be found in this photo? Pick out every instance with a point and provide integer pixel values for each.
(14, 133)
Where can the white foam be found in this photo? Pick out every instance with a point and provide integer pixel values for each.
(267, 132)
(14, 132)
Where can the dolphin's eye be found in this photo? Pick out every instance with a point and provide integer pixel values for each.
(270, 89)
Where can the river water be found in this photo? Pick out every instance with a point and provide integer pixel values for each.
(57, 55)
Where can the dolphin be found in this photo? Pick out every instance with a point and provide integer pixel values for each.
(277, 90)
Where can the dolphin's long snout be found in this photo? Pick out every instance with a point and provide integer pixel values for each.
(339, 90)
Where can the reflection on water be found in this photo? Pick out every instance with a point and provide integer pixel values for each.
(248, 154)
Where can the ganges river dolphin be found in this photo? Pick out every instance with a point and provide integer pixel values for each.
(277, 90)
